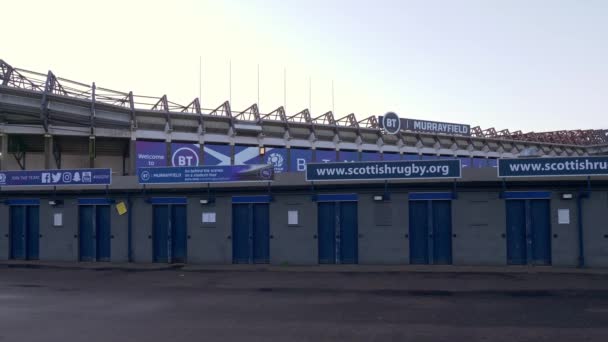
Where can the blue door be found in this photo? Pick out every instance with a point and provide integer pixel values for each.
(430, 227)
(18, 232)
(540, 224)
(94, 233)
(516, 232)
(419, 232)
(250, 233)
(327, 232)
(170, 231)
(103, 233)
(442, 232)
(179, 232)
(160, 233)
(338, 232)
(240, 233)
(349, 237)
(24, 230)
(86, 242)
(261, 233)
(528, 231)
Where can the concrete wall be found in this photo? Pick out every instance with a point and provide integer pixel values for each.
(383, 230)
(478, 227)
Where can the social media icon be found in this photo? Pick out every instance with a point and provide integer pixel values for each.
(67, 177)
(46, 178)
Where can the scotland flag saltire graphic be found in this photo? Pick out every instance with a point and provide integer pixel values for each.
(216, 154)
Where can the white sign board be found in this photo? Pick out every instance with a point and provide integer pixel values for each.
(563, 216)
(292, 217)
(208, 217)
(57, 219)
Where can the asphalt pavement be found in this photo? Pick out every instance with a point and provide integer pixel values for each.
(147, 304)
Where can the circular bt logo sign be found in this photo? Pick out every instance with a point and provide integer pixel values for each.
(145, 175)
(391, 123)
(185, 156)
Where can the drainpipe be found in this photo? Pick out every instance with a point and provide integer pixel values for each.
(581, 241)
(129, 228)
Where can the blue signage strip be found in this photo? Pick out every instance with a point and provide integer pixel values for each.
(431, 196)
(384, 170)
(56, 177)
(511, 195)
(205, 174)
(543, 167)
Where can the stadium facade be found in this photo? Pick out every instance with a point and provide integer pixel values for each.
(66, 129)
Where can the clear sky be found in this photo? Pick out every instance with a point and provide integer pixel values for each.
(519, 64)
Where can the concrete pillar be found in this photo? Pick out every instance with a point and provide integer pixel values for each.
(3, 150)
(49, 158)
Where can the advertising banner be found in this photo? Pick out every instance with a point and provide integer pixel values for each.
(392, 124)
(216, 154)
(205, 174)
(325, 156)
(246, 155)
(56, 177)
(150, 153)
(348, 156)
(277, 157)
(185, 154)
(385, 170)
(299, 158)
(542, 167)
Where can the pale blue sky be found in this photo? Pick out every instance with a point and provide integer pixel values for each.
(530, 65)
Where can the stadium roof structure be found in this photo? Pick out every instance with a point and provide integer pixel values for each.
(42, 103)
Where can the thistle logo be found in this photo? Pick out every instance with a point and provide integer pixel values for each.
(185, 156)
(2, 178)
(277, 160)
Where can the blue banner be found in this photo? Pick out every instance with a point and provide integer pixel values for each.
(278, 158)
(185, 154)
(542, 167)
(298, 159)
(216, 154)
(246, 155)
(56, 177)
(205, 174)
(384, 170)
(150, 153)
(371, 156)
(325, 156)
(348, 156)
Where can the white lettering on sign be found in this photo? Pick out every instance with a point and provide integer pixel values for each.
(301, 164)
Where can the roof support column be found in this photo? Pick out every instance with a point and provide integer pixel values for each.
(132, 169)
(92, 151)
(49, 153)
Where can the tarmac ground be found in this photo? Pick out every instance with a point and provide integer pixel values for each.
(152, 303)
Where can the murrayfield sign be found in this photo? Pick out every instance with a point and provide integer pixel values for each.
(56, 177)
(542, 167)
(383, 170)
(392, 124)
(205, 174)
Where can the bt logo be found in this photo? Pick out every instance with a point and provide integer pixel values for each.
(185, 156)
